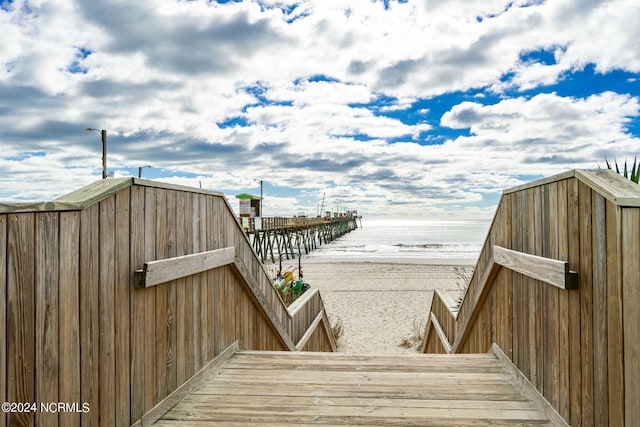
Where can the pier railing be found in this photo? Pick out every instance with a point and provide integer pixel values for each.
(557, 290)
(118, 298)
(281, 223)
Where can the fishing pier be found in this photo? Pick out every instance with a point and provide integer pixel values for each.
(271, 237)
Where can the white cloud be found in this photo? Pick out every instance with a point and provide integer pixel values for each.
(161, 76)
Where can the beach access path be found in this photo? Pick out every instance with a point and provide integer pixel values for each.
(380, 301)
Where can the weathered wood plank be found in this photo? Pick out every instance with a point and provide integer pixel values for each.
(171, 296)
(552, 297)
(46, 276)
(180, 285)
(3, 315)
(600, 340)
(505, 293)
(186, 247)
(620, 191)
(586, 306)
(527, 388)
(214, 295)
(195, 381)
(631, 310)
(575, 298)
(20, 315)
(69, 315)
(255, 391)
(122, 326)
(206, 320)
(137, 298)
(563, 306)
(615, 323)
(163, 319)
(90, 313)
(196, 286)
(165, 270)
(151, 355)
(516, 244)
(107, 365)
(535, 291)
(551, 271)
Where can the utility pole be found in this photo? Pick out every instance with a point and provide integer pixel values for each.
(103, 136)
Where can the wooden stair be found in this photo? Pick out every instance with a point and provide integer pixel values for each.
(300, 388)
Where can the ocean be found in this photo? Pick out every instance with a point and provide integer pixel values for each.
(409, 238)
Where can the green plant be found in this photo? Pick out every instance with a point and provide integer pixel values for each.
(632, 174)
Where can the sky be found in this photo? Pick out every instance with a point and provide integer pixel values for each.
(394, 108)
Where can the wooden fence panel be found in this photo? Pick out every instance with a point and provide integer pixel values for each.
(75, 329)
(580, 348)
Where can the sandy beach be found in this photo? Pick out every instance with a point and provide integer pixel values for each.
(379, 301)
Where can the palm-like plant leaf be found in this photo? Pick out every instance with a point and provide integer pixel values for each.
(633, 174)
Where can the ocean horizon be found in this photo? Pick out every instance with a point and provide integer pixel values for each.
(409, 238)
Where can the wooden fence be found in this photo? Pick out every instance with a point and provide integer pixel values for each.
(576, 342)
(84, 321)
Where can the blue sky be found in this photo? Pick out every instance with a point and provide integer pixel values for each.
(395, 108)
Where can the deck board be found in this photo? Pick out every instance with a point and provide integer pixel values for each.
(283, 388)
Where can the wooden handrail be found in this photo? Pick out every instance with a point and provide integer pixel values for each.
(309, 332)
(547, 270)
(256, 292)
(521, 263)
(440, 332)
(165, 270)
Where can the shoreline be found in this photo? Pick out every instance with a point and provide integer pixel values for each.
(306, 259)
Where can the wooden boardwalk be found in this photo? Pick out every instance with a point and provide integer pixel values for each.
(302, 388)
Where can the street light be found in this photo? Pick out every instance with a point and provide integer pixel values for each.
(140, 170)
(103, 135)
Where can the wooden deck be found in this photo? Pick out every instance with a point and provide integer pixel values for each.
(284, 388)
